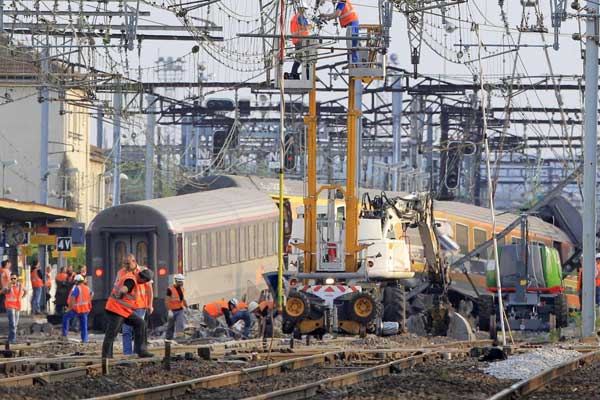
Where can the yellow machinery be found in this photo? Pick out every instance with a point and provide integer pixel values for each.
(325, 302)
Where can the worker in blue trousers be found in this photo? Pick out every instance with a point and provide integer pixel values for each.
(79, 304)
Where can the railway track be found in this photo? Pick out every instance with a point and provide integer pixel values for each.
(559, 382)
(279, 380)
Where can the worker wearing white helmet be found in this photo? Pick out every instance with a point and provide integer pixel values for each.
(79, 305)
(265, 312)
(238, 311)
(176, 304)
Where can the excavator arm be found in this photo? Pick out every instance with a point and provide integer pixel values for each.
(416, 211)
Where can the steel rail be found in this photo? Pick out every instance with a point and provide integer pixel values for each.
(41, 378)
(310, 390)
(540, 380)
(220, 380)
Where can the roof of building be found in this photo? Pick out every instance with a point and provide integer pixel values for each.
(19, 211)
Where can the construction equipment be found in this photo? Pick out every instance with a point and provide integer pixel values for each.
(348, 278)
(532, 290)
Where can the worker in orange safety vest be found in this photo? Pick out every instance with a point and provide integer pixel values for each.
(5, 272)
(212, 311)
(144, 300)
(264, 312)
(176, 304)
(580, 282)
(12, 301)
(79, 305)
(299, 26)
(37, 283)
(348, 18)
(120, 308)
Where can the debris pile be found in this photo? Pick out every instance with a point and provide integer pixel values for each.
(526, 365)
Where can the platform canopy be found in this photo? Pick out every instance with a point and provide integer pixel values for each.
(17, 211)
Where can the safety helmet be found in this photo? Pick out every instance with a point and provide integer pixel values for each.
(597, 256)
(252, 306)
(78, 278)
(179, 278)
(303, 4)
(233, 303)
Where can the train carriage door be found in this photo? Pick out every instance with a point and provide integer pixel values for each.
(121, 245)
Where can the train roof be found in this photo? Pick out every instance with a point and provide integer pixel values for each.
(196, 211)
(481, 214)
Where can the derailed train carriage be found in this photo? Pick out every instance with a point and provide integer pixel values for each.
(222, 240)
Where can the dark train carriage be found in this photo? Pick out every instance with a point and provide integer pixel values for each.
(222, 240)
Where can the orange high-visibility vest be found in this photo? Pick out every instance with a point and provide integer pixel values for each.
(298, 29)
(348, 15)
(215, 309)
(174, 301)
(5, 277)
(13, 297)
(142, 290)
(61, 277)
(36, 281)
(266, 305)
(580, 277)
(122, 304)
(83, 302)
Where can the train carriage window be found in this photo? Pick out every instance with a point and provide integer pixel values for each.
(141, 253)
(243, 243)
(197, 251)
(193, 260)
(270, 239)
(462, 237)
(223, 253)
(252, 230)
(233, 246)
(120, 251)
(479, 237)
(214, 250)
(260, 240)
(203, 251)
(516, 240)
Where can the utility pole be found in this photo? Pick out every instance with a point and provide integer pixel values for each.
(396, 133)
(149, 176)
(117, 146)
(100, 127)
(45, 120)
(44, 97)
(430, 152)
(159, 162)
(589, 169)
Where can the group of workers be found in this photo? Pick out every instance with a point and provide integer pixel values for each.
(130, 301)
(235, 310)
(301, 26)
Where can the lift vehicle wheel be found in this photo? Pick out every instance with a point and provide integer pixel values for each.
(297, 306)
(363, 308)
